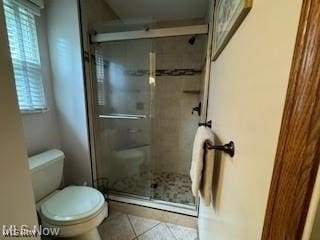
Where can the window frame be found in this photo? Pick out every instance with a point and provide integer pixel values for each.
(31, 109)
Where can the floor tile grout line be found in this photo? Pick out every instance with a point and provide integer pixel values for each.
(174, 236)
(135, 234)
(149, 229)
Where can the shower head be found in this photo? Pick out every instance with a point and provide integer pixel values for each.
(192, 40)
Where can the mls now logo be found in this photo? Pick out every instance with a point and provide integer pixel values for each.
(26, 231)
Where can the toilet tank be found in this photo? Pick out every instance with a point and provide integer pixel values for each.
(46, 172)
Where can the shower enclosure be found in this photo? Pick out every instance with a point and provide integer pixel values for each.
(143, 92)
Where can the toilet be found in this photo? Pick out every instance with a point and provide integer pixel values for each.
(76, 211)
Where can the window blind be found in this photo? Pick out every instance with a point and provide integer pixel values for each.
(23, 42)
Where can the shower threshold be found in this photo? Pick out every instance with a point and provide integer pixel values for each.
(154, 203)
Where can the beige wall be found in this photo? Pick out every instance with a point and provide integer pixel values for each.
(247, 93)
(312, 225)
(62, 24)
(16, 199)
(315, 235)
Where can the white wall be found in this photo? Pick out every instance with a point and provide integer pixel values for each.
(68, 84)
(247, 93)
(41, 130)
(16, 199)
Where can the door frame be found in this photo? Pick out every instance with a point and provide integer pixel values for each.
(298, 152)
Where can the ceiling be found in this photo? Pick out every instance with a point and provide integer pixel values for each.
(159, 10)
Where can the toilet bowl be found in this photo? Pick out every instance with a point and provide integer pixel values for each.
(76, 211)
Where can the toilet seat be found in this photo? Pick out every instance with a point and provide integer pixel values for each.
(72, 205)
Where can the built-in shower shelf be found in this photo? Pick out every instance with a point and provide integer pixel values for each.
(124, 148)
(191, 91)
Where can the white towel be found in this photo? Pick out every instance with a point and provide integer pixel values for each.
(202, 165)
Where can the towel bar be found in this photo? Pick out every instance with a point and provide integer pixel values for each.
(227, 148)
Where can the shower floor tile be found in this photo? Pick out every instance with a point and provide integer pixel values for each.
(165, 186)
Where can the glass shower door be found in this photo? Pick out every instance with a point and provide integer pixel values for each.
(123, 93)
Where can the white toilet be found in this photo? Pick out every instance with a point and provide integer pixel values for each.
(75, 210)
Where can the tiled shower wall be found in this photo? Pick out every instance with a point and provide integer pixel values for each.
(173, 127)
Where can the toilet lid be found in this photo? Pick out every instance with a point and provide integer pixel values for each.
(73, 203)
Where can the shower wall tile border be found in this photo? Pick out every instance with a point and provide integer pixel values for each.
(167, 72)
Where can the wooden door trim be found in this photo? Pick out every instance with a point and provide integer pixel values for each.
(298, 152)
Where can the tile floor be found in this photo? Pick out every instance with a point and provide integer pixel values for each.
(120, 226)
(169, 187)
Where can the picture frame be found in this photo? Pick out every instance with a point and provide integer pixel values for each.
(228, 16)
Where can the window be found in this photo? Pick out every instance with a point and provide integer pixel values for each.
(23, 42)
(100, 78)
